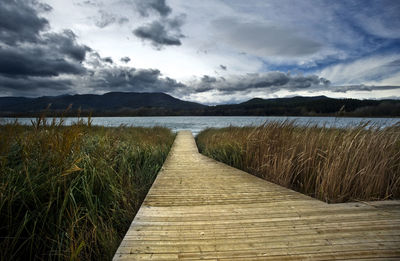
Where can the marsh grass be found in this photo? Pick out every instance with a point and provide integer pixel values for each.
(333, 165)
(70, 192)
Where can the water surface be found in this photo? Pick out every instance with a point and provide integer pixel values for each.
(198, 123)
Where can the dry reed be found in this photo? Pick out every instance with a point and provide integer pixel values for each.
(331, 164)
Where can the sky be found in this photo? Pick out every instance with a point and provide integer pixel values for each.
(209, 51)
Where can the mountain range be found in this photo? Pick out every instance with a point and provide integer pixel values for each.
(161, 104)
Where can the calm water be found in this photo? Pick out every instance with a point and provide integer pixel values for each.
(198, 123)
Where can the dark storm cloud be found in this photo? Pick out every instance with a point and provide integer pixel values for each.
(362, 87)
(271, 81)
(32, 58)
(208, 79)
(51, 54)
(164, 30)
(157, 33)
(160, 33)
(207, 83)
(144, 7)
(108, 60)
(35, 62)
(17, 31)
(19, 22)
(125, 59)
(42, 6)
(96, 61)
(131, 79)
(33, 84)
(66, 43)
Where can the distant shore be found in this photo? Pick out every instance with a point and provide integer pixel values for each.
(74, 114)
(116, 104)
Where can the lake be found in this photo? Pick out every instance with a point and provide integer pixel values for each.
(198, 123)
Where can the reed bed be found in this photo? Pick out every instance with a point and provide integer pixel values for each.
(358, 163)
(70, 192)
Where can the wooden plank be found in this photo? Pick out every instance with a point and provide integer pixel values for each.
(202, 209)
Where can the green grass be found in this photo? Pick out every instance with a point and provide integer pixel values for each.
(71, 192)
(333, 165)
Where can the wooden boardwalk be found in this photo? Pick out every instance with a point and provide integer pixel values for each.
(200, 209)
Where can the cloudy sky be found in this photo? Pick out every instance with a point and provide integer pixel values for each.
(209, 51)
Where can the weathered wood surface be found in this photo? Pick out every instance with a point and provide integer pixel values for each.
(199, 208)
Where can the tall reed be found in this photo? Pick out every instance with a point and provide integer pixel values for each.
(70, 192)
(333, 165)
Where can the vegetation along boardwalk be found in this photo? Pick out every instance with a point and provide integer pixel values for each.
(202, 209)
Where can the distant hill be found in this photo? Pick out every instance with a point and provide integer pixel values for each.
(109, 103)
(161, 104)
(311, 106)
